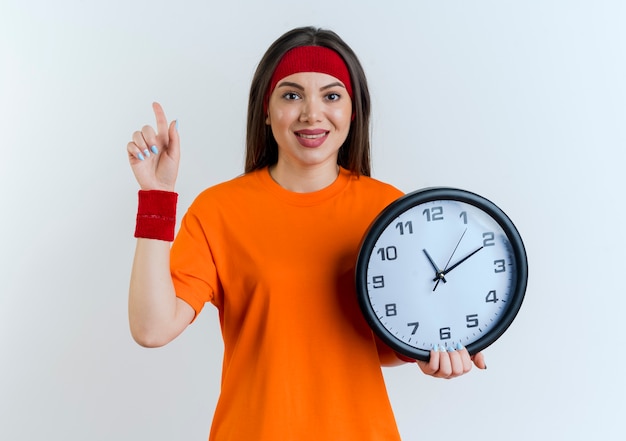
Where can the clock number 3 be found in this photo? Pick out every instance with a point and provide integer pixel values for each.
(499, 266)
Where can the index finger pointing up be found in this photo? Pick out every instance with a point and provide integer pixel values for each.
(161, 120)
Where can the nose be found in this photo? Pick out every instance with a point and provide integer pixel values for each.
(311, 111)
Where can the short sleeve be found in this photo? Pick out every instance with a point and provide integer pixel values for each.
(192, 265)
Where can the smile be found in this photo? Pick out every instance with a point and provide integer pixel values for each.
(311, 138)
(312, 135)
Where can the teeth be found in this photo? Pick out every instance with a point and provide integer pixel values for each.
(301, 135)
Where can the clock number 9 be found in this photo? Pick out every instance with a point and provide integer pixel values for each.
(378, 282)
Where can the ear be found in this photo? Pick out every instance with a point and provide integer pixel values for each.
(268, 121)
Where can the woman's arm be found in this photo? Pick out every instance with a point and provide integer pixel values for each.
(156, 315)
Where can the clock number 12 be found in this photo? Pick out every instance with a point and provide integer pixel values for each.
(433, 214)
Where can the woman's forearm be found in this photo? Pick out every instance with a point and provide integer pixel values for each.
(156, 315)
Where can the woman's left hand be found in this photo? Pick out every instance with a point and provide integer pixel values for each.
(451, 364)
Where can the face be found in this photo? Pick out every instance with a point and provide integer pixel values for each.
(310, 115)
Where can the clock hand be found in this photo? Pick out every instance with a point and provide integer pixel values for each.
(438, 273)
(454, 251)
(446, 271)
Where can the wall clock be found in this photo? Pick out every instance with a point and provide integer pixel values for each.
(440, 267)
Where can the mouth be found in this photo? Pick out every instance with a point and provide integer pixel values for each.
(311, 138)
(311, 134)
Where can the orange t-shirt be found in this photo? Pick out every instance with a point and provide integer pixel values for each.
(300, 362)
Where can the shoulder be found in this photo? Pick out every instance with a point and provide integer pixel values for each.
(238, 188)
(371, 188)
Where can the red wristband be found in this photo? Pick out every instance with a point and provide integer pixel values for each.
(156, 215)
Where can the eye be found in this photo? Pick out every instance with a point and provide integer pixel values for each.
(333, 96)
(291, 96)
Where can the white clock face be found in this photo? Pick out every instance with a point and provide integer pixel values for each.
(441, 273)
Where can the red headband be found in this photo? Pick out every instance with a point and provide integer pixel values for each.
(311, 59)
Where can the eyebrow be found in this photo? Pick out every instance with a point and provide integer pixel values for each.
(300, 87)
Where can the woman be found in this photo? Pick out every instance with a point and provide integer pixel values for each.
(274, 250)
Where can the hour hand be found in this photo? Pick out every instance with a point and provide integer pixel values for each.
(439, 275)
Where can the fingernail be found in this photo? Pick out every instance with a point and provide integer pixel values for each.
(459, 347)
(146, 152)
(140, 156)
(177, 125)
(435, 347)
(442, 348)
(154, 149)
(450, 349)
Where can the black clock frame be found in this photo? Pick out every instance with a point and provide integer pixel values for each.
(408, 201)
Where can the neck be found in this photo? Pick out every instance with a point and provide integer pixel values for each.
(305, 179)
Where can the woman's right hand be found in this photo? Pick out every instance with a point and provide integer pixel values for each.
(154, 156)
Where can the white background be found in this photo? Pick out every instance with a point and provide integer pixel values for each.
(521, 101)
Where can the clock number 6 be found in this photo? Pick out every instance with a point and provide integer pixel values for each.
(445, 334)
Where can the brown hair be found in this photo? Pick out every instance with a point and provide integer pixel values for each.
(261, 147)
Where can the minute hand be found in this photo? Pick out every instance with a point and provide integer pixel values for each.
(447, 270)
